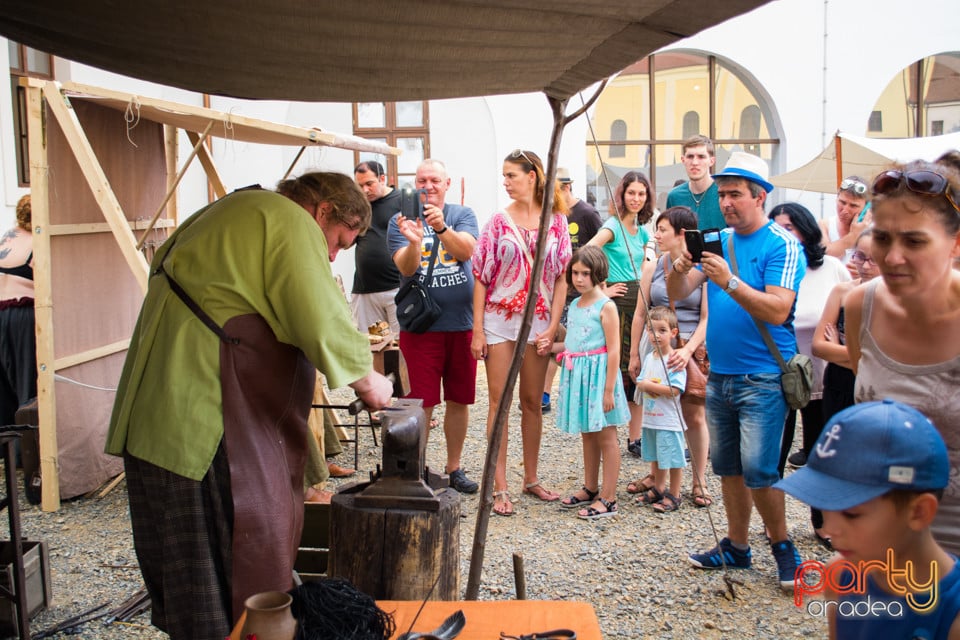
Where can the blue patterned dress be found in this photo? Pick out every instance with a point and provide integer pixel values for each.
(583, 377)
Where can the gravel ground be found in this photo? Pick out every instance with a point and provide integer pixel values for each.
(632, 568)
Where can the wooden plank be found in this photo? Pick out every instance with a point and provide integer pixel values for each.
(90, 355)
(172, 189)
(43, 298)
(99, 185)
(170, 151)
(206, 161)
(101, 227)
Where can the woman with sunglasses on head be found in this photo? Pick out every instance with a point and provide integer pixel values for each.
(903, 329)
(502, 267)
(624, 240)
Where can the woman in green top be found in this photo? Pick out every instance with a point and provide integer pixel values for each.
(623, 238)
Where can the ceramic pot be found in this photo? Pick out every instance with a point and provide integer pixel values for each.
(269, 617)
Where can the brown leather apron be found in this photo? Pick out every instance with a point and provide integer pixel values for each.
(266, 388)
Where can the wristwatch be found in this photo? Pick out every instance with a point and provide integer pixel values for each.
(732, 284)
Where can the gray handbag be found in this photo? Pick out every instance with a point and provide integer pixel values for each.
(796, 377)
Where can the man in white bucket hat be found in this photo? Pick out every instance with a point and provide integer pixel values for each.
(745, 404)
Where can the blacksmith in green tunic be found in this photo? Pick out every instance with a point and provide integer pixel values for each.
(211, 409)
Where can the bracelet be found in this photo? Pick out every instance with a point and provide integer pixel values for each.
(444, 230)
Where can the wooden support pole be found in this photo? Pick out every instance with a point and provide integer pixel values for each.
(503, 407)
(99, 185)
(43, 297)
(206, 161)
(296, 159)
(170, 150)
(173, 188)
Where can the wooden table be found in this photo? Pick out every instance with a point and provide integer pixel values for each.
(487, 618)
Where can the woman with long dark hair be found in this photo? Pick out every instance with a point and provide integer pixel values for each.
(823, 273)
(624, 240)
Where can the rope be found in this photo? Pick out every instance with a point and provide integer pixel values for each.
(63, 378)
(131, 116)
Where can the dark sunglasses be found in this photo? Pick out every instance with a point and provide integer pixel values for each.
(922, 182)
(853, 185)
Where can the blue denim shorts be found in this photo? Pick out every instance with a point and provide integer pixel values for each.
(663, 447)
(745, 414)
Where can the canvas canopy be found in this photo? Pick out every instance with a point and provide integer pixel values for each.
(344, 52)
(864, 157)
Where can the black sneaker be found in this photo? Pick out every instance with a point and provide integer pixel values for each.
(797, 459)
(634, 448)
(461, 483)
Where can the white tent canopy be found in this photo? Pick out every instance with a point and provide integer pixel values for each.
(849, 155)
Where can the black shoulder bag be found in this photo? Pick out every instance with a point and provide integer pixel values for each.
(416, 310)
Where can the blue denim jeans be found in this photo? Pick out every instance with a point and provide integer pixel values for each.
(745, 414)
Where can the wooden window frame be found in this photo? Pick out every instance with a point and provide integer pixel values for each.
(19, 96)
(391, 133)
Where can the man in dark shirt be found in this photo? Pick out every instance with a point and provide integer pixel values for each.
(376, 279)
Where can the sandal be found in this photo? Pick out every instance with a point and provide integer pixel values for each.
(641, 486)
(650, 496)
(575, 501)
(669, 503)
(701, 497)
(543, 494)
(592, 513)
(503, 497)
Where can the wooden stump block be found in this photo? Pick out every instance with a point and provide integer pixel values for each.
(395, 553)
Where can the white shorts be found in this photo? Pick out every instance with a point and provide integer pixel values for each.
(369, 308)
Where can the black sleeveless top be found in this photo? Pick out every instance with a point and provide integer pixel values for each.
(24, 270)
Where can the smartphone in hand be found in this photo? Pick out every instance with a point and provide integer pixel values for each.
(698, 242)
(694, 240)
(411, 205)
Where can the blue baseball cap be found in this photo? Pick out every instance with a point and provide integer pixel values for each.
(867, 450)
(749, 167)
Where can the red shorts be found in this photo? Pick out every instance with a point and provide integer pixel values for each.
(440, 355)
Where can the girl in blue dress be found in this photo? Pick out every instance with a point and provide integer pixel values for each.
(592, 400)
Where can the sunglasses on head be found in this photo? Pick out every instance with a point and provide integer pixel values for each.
(921, 182)
(516, 154)
(853, 185)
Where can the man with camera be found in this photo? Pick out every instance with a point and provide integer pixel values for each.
(375, 279)
(442, 352)
(746, 407)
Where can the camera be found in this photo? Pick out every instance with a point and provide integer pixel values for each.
(411, 203)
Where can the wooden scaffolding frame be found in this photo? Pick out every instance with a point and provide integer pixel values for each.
(46, 99)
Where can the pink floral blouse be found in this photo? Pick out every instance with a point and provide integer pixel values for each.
(499, 263)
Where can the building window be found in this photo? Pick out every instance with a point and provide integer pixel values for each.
(618, 131)
(666, 98)
(691, 124)
(921, 100)
(399, 124)
(25, 61)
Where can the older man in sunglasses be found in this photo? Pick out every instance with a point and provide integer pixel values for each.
(853, 217)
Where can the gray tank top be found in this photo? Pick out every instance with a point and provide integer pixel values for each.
(688, 309)
(933, 390)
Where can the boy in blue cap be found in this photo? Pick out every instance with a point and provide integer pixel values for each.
(877, 472)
